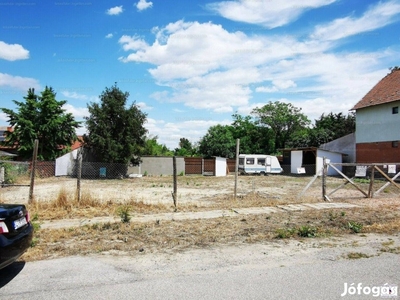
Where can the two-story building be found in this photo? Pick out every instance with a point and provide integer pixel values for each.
(378, 122)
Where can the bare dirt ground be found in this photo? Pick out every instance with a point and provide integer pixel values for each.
(55, 200)
(196, 190)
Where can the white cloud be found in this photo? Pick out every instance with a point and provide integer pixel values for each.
(208, 67)
(284, 84)
(143, 4)
(205, 67)
(277, 86)
(77, 112)
(74, 95)
(169, 133)
(132, 43)
(377, 16)
(144, 106)
(271, 13)
(17, 82)
(266, 89)
(115, 10)
(77, 96)
(109, 36)
(12, 52)
(331, 82)
(160, 96)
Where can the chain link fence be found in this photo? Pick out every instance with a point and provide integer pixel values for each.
(98, 170)
(14, 172)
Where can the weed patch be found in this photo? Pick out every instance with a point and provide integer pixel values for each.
(124, 213)
(355, 227)
(357, 255)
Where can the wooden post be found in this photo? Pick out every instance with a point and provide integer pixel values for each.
(236, 167)
(79, 176)
(324, 173)
(33, 171)
(174, 193)
(371, 183)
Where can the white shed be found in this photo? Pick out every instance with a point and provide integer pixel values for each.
(65, 163)
(310, 160)
(220, 166)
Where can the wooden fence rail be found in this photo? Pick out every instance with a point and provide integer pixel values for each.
(362, 170)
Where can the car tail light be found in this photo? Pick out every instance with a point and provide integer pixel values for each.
(3, 227)
(27, 216)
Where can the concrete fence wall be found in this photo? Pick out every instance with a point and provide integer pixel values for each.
(158, 165)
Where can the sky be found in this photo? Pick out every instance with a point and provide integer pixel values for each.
(190, 65)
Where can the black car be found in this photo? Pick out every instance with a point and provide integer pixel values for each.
(16, 232)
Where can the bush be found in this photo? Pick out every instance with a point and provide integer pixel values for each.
(124, 213)
(307, 231)
(284, 233)
(355, 227)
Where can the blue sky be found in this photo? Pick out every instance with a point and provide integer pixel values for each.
(192, 64)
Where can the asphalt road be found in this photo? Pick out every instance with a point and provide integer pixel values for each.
(264, 272)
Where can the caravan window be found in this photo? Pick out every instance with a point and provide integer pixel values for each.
(261, 161)
(241, 161)
(250, 161)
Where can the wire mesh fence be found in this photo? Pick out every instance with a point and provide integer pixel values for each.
(98, 170)
(110, 181)
(14, 172)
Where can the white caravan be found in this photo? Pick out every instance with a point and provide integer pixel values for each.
(258, 164)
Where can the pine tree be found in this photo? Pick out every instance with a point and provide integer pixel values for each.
(43, 118)
(115, 133)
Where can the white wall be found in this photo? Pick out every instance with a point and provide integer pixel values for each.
(158, 165)
(377, 123)
(296, 160)
(332, 157)
(64, 164)
(220, 166)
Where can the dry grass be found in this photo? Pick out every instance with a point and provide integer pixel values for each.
(375, 216)
(131, 238)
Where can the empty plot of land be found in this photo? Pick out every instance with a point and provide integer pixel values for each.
(201, 191)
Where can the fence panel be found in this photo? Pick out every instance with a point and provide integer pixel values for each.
(369, 179)
(14, 172)
(193, 165)
(98, 170)
(14, 181)
(209, 166)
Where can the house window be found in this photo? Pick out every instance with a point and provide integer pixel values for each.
(395, 110)
(395, 144)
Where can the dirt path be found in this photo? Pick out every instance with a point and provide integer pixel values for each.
(136, 218)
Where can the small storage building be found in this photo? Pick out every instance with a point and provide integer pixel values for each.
(309, 160)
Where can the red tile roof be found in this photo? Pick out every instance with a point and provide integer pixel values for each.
(385, 91)
(77, 144)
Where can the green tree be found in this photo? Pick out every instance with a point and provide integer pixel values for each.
(254, 139)
(116, 133)
(336, 125)
(283, 119)
(186, 148)
(153, 148)
(41, 117)
(218, 141)
(309, 137)
(327, 128)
